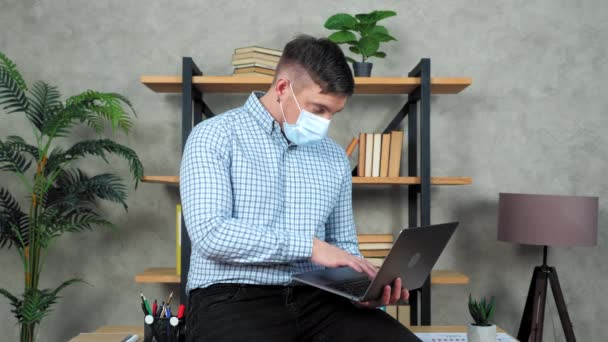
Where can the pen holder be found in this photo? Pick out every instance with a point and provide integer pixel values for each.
(164, 329)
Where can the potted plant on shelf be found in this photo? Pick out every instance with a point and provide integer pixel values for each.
(370, 36)
(481, 330)
(61, 198)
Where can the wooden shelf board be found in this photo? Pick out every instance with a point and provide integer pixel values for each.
(356, 180)
(412, 180)
(168, 275)
(247, 84)
(158, 275)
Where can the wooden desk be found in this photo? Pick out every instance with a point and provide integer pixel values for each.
(139, 330)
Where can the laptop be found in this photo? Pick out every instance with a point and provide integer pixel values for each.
(411, 258)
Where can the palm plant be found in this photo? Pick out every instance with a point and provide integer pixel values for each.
(482, 311)
(61, 197)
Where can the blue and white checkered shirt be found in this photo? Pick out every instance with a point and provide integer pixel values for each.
(252, 202)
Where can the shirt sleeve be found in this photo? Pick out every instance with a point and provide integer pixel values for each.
(340, 227)
(206, 195)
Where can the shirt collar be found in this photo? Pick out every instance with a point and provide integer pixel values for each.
(259, 112)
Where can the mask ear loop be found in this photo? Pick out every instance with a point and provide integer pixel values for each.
(294, 96)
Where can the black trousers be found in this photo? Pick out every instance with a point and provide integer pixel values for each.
(233, 312)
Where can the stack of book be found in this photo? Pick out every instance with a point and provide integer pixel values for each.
(375, 248)
(255, 60)
(380, 154)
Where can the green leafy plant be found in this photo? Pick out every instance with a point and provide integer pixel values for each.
(481, 311)
(61, 197)
(366, 25)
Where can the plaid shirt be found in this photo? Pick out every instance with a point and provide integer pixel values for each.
(252, 202)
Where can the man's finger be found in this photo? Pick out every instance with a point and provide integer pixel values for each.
(405, 294)
(396, 291)
(386, 295)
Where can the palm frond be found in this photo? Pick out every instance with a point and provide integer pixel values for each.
(12, 159)
(73, 188)
(44, 103)
(14, 223)
(12, 87)
(97, 148)
(11, 68)
(73, 221)
(21, 145)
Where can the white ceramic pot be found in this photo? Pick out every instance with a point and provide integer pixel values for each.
(477, 333)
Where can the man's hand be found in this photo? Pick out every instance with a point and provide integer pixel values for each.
(331, 256)
(389, 296)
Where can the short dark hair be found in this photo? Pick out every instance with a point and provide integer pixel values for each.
(323, 60)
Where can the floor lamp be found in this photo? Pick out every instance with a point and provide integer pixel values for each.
(546, 220)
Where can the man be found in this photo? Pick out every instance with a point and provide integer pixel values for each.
(266, 194)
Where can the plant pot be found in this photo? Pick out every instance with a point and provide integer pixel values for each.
(478, 333)
(362, 69)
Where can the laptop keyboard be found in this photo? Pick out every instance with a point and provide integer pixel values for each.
(355, 287)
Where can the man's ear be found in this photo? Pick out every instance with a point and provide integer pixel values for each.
(280, 88)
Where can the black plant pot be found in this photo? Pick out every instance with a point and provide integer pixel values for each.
(362, 69)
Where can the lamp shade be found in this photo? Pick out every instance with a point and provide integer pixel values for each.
(547, 220)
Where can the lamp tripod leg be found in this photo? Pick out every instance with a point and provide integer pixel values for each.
(561, 306)
(531, 326)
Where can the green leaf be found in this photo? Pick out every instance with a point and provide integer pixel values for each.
(381, 34)
(97, 148)
(379, 54)
(365, 17)
(379, 15)
(368, 46)
(355, 49)
(342, 37)
(340, 21)
(364, 28)
(12, 158)
(12, 96)
(73, 188)
(44, 103)
(11, 69)
(9, 296)
(350, 60)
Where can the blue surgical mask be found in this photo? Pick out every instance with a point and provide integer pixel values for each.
(309, 128)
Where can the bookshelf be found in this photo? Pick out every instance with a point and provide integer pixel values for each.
(247, 84)
(418, 85)
(167, 275)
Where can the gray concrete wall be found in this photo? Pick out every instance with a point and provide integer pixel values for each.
(533, 121)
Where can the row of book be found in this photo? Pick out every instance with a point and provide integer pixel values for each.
(375, 248)
(379, 154)
(255, 60)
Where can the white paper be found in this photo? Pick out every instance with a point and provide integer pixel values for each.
(457, 337)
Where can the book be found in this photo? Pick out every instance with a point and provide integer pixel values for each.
(351, 147)
(378, 253)
(251, 74)
(403, 314)
(394, 159)
(178, 239)
(248, 62)
(105, 337)
(362, 150)
(375, 246)
(376, 155)
(375, 261)
(258, 55)
(260, 70)
(386, 145)
(369, 238)
(369, 150)
(259, 49)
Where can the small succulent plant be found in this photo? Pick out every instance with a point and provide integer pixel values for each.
(481, 311)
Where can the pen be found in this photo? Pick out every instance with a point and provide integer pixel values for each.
(160, 310)
(145, 301)
(143, 308)
(170, 296)
(154, 306)
(168, 312)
